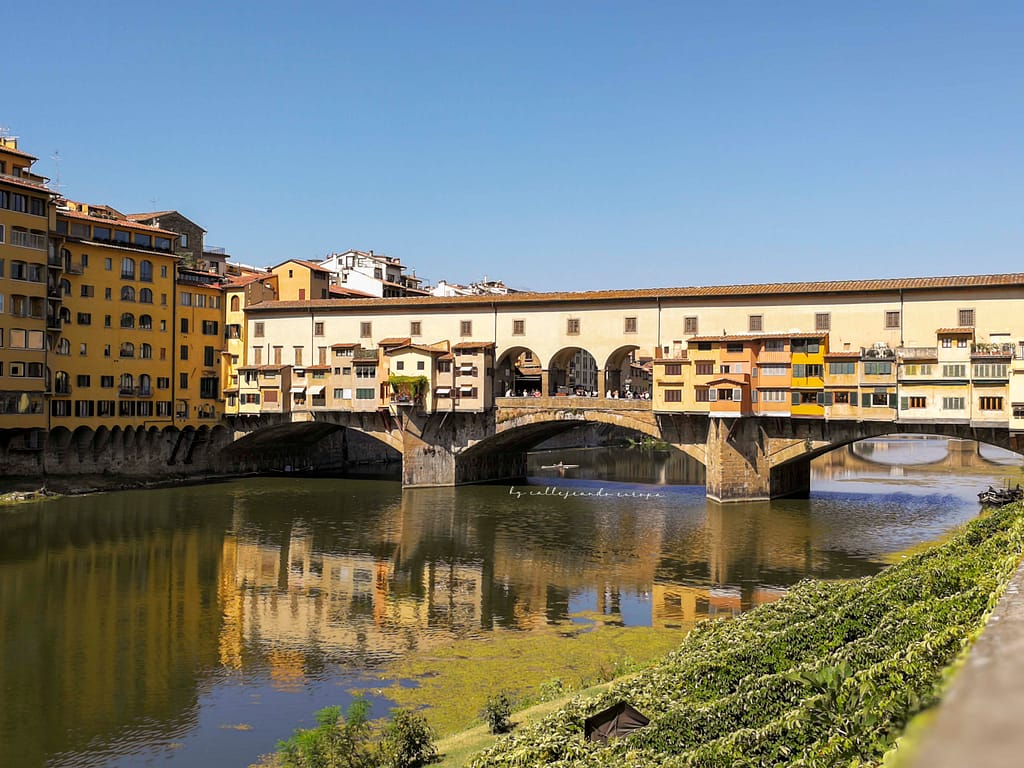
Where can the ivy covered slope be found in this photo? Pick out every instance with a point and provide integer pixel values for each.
(827, 676)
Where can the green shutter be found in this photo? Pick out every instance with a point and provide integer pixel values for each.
(865, 399)
(799, 371)
(796, 398)
(893, 398)
(828, 398)
(820, 397)
(904, 403)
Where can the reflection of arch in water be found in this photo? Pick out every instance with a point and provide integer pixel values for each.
(928, 452)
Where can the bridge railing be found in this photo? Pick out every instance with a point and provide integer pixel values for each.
(573, 401)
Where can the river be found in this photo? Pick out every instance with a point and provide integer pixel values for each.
(197, 625)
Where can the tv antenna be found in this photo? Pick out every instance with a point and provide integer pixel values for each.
(56, 162)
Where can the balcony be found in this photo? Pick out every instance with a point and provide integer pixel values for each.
(54, 323)
(1005, 350)
(918, 353)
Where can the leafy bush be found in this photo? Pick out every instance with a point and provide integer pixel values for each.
(408, 741)
(497, 712)
(334, 743)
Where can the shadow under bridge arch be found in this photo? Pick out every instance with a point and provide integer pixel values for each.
(320, 445)
(527, 422)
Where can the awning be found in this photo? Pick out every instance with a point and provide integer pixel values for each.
(466, 389)
(317, 390)
(296, 390)
(443, 391)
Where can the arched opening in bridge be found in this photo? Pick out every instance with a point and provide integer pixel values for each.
(518, 372)
(572, 371)
(624, 374)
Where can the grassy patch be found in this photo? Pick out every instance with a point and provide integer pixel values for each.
(455, 681)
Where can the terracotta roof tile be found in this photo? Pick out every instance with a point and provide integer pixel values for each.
(889, 285)
(37, 186)
(474, 345)
(132, 225)
(394, 341)
(855, 355)
(13, 151)
(955, 331)
(350, 345)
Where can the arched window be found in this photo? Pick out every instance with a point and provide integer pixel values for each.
(65, 256)
(127, 383)
(145, 352)
(145, 387)
(127, 268)
(146, 271)
(127, 349)
(127, 293)
(62, 383)
(63, 347)
(234, 303)
(145, 296)
(127, 320)
(65, 287)
(146, 322)
(65, 314)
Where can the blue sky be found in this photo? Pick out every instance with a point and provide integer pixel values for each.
(554, 145)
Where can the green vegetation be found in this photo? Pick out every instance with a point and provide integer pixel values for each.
(408, 386)
(336, 742)
(830, 675)
(497, 712)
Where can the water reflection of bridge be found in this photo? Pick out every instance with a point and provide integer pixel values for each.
(935, 455)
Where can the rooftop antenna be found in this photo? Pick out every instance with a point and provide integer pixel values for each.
(56, 162)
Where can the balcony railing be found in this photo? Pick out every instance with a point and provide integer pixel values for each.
(981, 349)
(918, 353)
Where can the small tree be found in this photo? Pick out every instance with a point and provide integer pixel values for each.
(336, 742)
(497, 712)
(408, 741)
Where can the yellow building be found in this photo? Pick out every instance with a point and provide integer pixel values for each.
(30, 295)
(240, 291)
(114, 365)
(808, 375)
(199, 337)
(301, 280)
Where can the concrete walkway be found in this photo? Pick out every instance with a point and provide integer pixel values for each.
(980, 722)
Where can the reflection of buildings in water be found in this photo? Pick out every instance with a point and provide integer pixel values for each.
(658, 467)
(674, 605)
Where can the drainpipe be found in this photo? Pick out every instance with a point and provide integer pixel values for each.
(658, 299)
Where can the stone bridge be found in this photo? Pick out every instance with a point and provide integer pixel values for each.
(746, 459)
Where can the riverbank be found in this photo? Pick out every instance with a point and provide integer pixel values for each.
(833, 670)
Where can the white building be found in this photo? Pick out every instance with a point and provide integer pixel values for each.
(372, 273)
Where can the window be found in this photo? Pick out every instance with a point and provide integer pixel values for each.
(876, 368)
(298, 355)
(822, 321)
(674, 369)
(183, 351)
(774, 395)
(775, 345)
(690, 325)
(235, 304)
(844, 369)
(127, 293)
(990, 370)
(83, 380)
(466, 328)
(365, 394)
(257, 355)
(966, 317)
(892, 319)
(1018, 411)
(208, 356)
(755, 323)
(917, 369)
(127, 320)
(573, 327)
(841, 398)
(183, 380)
(146, 271)
(673, 395)
(84, 318)
(146, 352)
(630, 325)
(107, 295)
(990, 403)
(954, 371)
(186, 299)
(365, 330)
(518, 327)
(366, 371)
(257, 330)
(916, 401)
(400, 365)
(774, 370)
(702, 394)
(88, 291)
(952, 403)
(1, 233)
(704, 368)
(318, 329)
(210, 328)
(107, 382)
(420, 366)
(127, 269)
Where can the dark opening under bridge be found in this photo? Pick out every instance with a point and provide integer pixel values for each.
(746, 458)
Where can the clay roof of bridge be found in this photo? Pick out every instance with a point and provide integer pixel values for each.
(1015, 279)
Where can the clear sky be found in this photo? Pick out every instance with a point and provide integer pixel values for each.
(555, 145)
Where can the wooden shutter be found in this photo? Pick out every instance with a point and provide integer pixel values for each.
(796, 398)
(904, 403)
(865, 399)
(893, 400)
(828, 398)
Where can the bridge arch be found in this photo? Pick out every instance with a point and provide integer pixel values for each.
(572, 368)
(518, 370)
(616, 368)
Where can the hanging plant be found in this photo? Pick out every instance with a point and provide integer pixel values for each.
(412, 387)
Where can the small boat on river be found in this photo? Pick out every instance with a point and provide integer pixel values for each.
(1000, 497)
(560, 466)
